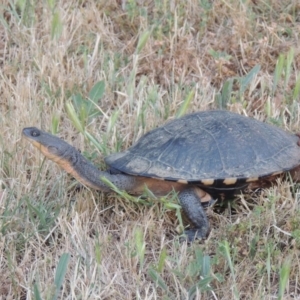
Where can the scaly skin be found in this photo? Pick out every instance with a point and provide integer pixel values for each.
(68, 158)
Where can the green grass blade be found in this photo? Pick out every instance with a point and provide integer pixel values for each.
(60, 273)
(284, 276)
(186, 103)
(278, 72)
(288, 67)
(51, 4)
(206, 266)
(97, 91)
(98, 252)
(225, 250)
(140, 246)
(112, 121)
(268, 266)
(74, 117)
(162, 260)
(36, 292)
(296, 92)
(94, 141)
(223, 98)
(246, 80)
(54, 124)
(142, 41)
(56, 26)
(158, 279)
(122, 193)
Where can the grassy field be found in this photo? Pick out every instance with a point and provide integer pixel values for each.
(100, 74)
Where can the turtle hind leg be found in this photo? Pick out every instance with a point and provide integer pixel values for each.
(191, 205)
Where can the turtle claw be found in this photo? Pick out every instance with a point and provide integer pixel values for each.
(192, 235)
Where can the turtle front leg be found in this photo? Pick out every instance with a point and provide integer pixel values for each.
(191, 204)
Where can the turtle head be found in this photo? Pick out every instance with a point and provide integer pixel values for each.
(68, 158)
(51, 146)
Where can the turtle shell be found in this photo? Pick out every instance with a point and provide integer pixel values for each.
(209, 147)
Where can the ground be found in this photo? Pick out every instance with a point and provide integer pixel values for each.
(100, 74)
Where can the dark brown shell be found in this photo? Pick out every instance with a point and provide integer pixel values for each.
(208, 146)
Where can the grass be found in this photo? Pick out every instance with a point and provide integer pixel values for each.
(102, 73)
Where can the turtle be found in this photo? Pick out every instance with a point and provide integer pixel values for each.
(203, 156)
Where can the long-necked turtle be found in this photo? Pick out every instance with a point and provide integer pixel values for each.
(200, 156)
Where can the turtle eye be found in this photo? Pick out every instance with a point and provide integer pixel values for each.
(35, 133)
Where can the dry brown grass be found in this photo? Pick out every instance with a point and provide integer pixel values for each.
(194, 46)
